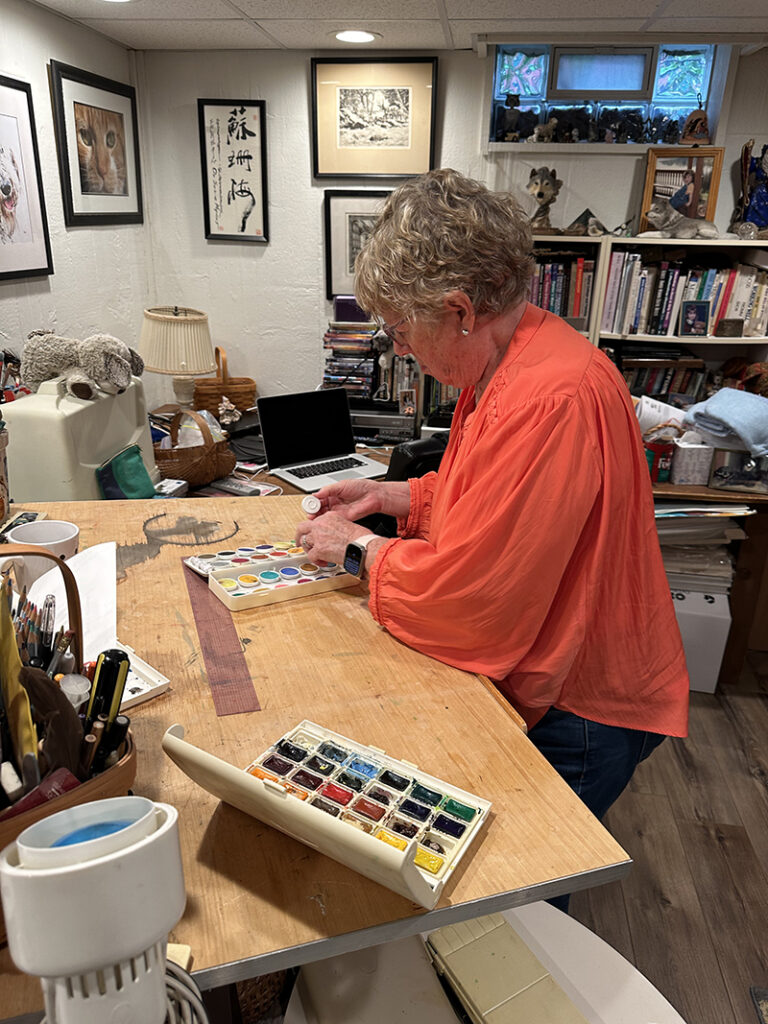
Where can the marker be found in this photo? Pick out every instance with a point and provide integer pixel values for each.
(108, 683)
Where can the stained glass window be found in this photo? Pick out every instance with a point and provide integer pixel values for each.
(521, 71)
(683, 73)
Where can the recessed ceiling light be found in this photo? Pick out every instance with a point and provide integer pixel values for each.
(116, 1)
(354, 35)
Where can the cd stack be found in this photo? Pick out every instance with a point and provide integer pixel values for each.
(350, 359)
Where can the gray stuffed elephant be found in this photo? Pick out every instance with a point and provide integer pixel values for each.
(100, 362)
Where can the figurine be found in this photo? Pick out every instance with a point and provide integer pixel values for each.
(544, 132)
(757, 185)
(544, 185)
(696, 128)
(666, 219)
(507, 119)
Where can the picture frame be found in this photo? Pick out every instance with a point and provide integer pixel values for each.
(233, 155)
(688, 177)
(25, 245)
(349, 216)
(373, 118)
(694, 319)
(97, 139)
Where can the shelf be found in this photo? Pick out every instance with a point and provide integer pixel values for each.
(714, 494)
(575, 148)
(726, 241)
(688, 339)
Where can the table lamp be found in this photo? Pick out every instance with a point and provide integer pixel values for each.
(177, 340)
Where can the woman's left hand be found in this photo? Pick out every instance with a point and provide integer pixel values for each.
(327, 536)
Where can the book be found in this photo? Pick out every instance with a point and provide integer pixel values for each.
(648, 299)
(659, 298)
(677, 299)
(577, 279)
(630, 306)
(631, 261)
(612, 292)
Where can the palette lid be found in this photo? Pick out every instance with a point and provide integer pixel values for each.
(271, 803)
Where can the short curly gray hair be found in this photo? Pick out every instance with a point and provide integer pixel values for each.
(440, 232)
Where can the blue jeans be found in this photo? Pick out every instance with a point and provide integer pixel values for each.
(597, 761)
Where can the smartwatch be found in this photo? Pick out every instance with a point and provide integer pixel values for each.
(354, 556)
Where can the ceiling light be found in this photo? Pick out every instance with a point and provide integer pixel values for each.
(355, 35)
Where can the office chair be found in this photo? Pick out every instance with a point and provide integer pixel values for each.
(409, 459)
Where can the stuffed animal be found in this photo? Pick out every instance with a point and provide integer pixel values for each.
(673, 224)
(100, 362)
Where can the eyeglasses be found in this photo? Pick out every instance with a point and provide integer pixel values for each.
(391, 329)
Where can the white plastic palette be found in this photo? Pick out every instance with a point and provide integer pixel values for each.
(378, 815)
(263, 574)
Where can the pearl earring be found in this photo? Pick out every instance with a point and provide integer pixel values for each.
(464, 331)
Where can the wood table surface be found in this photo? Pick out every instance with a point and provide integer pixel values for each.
(258, 900)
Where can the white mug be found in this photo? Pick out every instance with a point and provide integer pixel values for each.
(61, 538)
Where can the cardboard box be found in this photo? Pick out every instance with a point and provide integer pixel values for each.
(704, 621)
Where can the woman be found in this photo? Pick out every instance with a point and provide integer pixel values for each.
(532, 556)
(681, 200)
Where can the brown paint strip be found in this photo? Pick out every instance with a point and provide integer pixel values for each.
(228, 676)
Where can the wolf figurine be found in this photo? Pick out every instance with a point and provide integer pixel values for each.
(544, 185)
(673, 224)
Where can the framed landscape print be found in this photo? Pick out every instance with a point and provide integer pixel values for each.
(98, 144)
(25, 248)
(233, 151)
(373, 118)
(688, 178)
(349, 219)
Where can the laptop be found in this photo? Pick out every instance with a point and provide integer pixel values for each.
(308, 439)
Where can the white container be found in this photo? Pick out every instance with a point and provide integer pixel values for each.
(57, 442)
(704, 621)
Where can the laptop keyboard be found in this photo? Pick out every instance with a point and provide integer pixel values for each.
(319, 468)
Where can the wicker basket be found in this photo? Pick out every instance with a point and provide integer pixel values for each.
(115, 781)
(209, 391)
(198, 464)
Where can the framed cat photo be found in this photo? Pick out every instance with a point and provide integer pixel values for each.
(681, 182)
(97, 140)
(25, 247)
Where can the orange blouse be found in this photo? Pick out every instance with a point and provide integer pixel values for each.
(532, 556)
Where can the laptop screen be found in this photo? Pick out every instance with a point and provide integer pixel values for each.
(307, 427)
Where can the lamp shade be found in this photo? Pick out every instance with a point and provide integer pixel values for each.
(176, 340)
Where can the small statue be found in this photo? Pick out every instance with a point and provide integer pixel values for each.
(696, 128)
(544, 132)
(756, 210)
(666, 219)
(671, 132)
(228, 413)
(544, 185)
(507, 119)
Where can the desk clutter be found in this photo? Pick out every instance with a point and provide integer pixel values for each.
(266, 573)
(380, 816)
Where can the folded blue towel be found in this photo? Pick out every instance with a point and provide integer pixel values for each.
(730, 417)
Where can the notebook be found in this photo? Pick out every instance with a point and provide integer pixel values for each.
(308, 439)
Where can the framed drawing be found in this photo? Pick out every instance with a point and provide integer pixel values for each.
(98, 145)
(349, 218)
(233, 151)
(25, 248)
(373, 118)
(688, 178)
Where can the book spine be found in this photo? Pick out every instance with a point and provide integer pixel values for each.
(547, 286)
(669, 299)
(578, 284)
(658, 298)
(612, 292)
(588, 284)
(674, 316)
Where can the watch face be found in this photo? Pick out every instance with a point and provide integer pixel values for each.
(353, 559)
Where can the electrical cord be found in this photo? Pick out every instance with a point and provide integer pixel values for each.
(185, 1004)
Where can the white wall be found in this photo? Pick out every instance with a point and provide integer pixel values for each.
(266, 303)
(99, 280)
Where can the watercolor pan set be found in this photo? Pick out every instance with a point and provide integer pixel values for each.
(265, 573)
(380, 816)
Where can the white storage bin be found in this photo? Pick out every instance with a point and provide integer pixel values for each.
(56, 442)
(704, 621)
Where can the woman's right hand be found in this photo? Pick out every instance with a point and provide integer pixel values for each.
(355, 499)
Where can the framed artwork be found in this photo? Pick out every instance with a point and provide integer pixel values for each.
(349, 219)
(694, 319)
(25, 248)
(688, 178)
(98, 145)
(233, 151)
(373, 118)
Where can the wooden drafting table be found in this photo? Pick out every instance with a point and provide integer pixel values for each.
(257, 900)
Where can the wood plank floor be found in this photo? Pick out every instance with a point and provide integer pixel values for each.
(693, 913)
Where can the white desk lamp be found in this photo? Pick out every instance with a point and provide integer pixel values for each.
(89, 896)
(177, 340)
